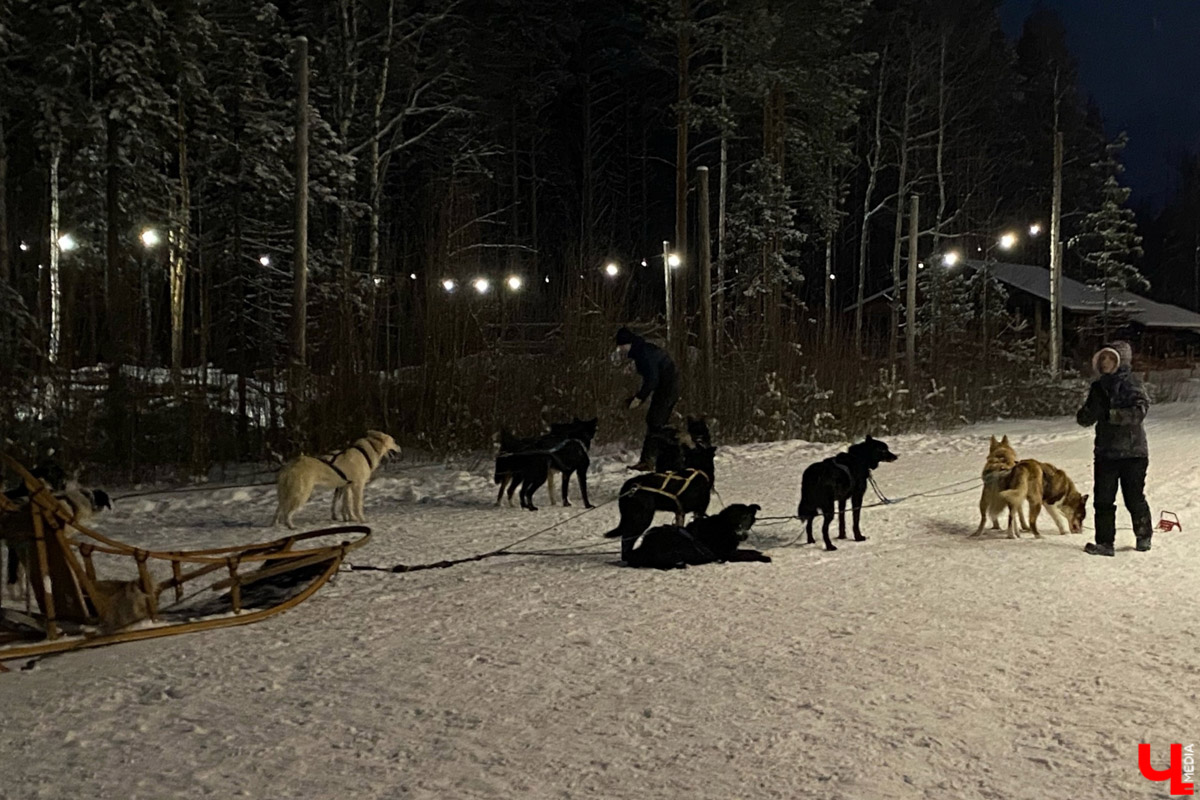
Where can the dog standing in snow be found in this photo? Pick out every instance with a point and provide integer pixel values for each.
(347, 473)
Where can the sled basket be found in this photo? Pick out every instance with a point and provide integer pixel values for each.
(170, 592)
(1173, 523)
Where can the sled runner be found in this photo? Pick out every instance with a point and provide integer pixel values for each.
(180, 591)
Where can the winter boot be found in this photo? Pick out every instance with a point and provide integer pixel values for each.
(1143, 529)
(1097, 549)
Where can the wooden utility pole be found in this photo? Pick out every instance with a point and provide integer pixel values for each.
(705, 266)
(1056, 259)
(910, 316)
(300, 248)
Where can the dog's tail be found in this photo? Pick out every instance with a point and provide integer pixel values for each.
(805, 510)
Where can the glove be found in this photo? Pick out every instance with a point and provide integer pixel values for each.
(634, 402)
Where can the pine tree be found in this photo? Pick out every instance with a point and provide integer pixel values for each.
(1109, 243)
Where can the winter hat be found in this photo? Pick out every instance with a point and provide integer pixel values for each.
(626, 336)
(1119, 349)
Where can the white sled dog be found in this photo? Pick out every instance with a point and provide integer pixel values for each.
(346, 472)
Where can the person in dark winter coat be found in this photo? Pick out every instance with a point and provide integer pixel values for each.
(659, 378)
(1116, 404)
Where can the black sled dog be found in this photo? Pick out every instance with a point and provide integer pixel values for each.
(563, 451)
(684, 492)
(836, 480)
(671, 444)
(703, 541)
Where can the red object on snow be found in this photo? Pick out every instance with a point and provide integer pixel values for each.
(1173, 523)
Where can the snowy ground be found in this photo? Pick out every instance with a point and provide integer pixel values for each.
(917, 664)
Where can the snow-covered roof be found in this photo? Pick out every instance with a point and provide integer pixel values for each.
(1078, 297)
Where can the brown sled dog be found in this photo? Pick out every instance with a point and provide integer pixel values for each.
(997, 471)
(1042, 485)
(1062, 501)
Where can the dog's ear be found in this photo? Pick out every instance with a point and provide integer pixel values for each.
(1004, 441)
(992, 443)
(1085, 499)
(755, 507)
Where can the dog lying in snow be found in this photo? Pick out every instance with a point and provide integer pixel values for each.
(836, 480)
(703, 541)
(347, 472)
(683, 492)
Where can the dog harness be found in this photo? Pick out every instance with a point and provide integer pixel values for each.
(674, 476)
(335, 468)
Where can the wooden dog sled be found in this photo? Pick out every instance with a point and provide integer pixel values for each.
(75, 608)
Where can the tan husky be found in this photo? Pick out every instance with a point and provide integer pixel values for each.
(996, 473)
(1057, 494)
(347, 473)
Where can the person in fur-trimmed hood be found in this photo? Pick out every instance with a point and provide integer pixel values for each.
(1117, 404)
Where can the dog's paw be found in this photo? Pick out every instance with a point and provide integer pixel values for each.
(566, 503)
(829, 548)
(588, 505)
(859, 537)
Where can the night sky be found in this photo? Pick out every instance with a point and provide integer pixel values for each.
(1140, 60)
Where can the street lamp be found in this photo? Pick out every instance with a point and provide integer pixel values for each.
(482, 285)
(951, 258)
(1035, 229)
(673, 260)
(514, 283)
(611, 270)
(150, 238)
(449, 284)
(66, 243)
(24, 247)
(1007, 241)
(264, 260)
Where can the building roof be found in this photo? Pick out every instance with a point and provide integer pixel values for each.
(1077, 297)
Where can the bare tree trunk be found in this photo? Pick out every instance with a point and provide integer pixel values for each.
(829, 288)
(117, 330)
(898, 234)
(300, 250)
(5, 252)
(721, 197)
(910, 310)
(706, 331)
(1056, 253)
(179, 254)
(940, 168)
(55, 257)
(376, 178)
(681, 149)
(874, 157)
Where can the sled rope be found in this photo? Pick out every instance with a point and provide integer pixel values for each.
(506, 550)
(937, 491)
